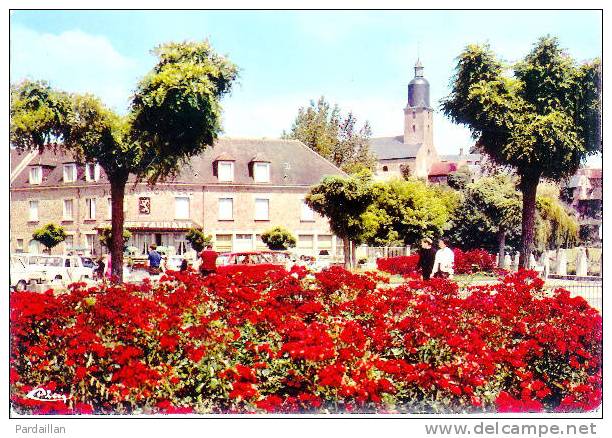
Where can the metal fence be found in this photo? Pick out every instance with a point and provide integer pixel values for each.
(591, 291)
(375, 252)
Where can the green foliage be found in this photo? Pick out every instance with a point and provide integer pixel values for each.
(278, 238)
(175, 111)
(105, 236)
(489, 205)
(460, 178)
(540, 120)
(323, 129)
(557, 225)
(406, 211)
(342, 200)
(50, 235)
(198, 239)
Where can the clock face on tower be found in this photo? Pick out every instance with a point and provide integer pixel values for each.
(144, 205)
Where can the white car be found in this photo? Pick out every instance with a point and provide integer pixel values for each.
(63, 268)
(22, 275)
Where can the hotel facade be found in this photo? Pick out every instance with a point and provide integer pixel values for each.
(234, 191)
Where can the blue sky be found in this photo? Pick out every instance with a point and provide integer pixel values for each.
(361, 60)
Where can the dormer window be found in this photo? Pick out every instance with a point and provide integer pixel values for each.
(261, 172)
(35, 174)
(92, 172)
(70, 172)
(226, 170)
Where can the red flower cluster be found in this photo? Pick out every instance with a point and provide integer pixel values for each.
(466, 262)
(402, 265)
(268, 340)
(475, 260)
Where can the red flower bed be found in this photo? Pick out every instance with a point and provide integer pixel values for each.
(402, 265)
(277, 341)
(466, 262)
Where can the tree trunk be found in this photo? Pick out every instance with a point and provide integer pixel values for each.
(353, 255)
(501, 241)
(116, 245)
(529, 187)
(347, 253)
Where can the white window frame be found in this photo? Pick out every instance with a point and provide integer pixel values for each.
(92, 172)
(307, 214)
(65, 216)
(222, 176)
(181, 214)
(223, 216)
(258, 176)
(35, 176)
(19, 245)
(71, 237)
(261, 215)
(109, 206)
(73, 169)
(33, 217)
(90, 204)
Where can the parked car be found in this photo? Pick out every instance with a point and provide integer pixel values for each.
(64, 268)
(21, 274)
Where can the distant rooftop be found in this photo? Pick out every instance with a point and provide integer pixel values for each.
(390, 148)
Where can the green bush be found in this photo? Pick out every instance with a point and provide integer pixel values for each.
(278, 238)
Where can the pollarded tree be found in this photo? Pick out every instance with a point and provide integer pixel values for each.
(343, 200)
(105, 236)
(174, 114)
(198, 239)
(50, 236)
(542, 120)
(407, 211)
(278, 238)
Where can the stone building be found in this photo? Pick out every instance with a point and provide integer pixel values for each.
(234, 191)
(415, 148)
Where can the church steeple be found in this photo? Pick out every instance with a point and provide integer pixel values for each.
(418, 88)
(418, 114)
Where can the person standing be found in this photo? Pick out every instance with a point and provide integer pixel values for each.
(444, 261)
(209, 261)
(154, 260)
(427, 256)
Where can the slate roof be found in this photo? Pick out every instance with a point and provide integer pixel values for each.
(465, 157)
(291, 163)
(389, 148)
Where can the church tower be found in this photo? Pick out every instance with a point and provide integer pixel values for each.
(418, 114)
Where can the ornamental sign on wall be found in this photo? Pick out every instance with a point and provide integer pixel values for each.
(144, 205)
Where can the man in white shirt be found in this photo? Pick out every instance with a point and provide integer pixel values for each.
(444, 261)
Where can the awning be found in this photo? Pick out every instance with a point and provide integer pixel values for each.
(160, 225)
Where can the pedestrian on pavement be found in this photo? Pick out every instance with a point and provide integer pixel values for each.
(184, 265)
(427, 256)
(444, 261)
(209, 261)
(154, 260)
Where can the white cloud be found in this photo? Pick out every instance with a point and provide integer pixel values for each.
(74, 61)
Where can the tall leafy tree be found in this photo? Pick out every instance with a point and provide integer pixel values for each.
(542, 119)
(174, 114)
(338, 138)
(50, 236)
(343, 200)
